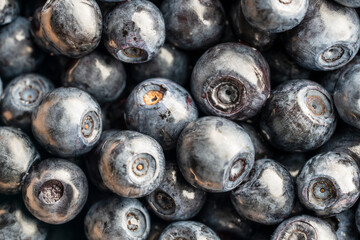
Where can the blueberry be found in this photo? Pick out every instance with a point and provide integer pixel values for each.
(357, 217)
(346, 96)
(175, 199)
(67, 122)
(9, 10)
(274, 15)
(117, 218)
(21, 96)
(299, 116)
(131, 164)
(161, 109)
(134, 31)
(343, 224)
(193, 24)
(215, 154)
(188, 230)
(231, 80)
(72, 27)
(55, 190)
(327, 38)
(267, 196)
(98, 74)
(17, 154)
(304, 227)
(349, 3)
(329, 183)
(16, 224)
(244, 31)
(18, 53)
(169, 63)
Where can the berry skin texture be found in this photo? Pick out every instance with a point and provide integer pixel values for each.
(188, 230)
(267, 196)
(175, 199)
(161, 109)
(17, 154)
(231, 80)
(215, 154)
(68, 122)
(349, 3)
(304, 227)
(134, 31)
(55, 190)
(117, 218)
(329, 183)
(131, 164)
(9, 10)
(299, 116)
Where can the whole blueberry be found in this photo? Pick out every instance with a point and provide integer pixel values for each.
(72, 27)
(134, 31)
(17, 154)
(299, 116)
(169, 63)
(329, 183)
(117, 218)
(215, 154)
(274, 15)
(343, 224)
(131, 164)
(18, 53)
(347, 96)
(175, 199)
(231, 80)
(9, 10)
(244, 31)
(98, 74)
(161, 109)
(21, 96)
(193, 24)
(16, 224)
(55, 190)
(188, 230)
(267, 196)
(67, 122)
(349, 3)
(304, 227)
(327, 38)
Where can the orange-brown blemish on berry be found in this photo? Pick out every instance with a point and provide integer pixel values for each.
(152, 97)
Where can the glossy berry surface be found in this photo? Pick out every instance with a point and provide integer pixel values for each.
(188, 230)
(215, 154)
(134, 31)
(55, 190)
(299, 116)
(9, 10)
(113, 218)
(329, 183)
(231, 80)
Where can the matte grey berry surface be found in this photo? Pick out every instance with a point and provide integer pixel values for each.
(17, 154)
(329, 183)
(267, 196)
(72, 27)
(134, 31)
(55, 190)
(175, 199)
(18, 54)
(327, 38)
(68, 122)
(304, 227)
(349, 3)
(9, 10)
(193, 24)
(15, 224)
(131, 164)
(169, 63)
(161, 109)
(98, 74)
(299, 116)
(21, 96)
(357, 217)
(188, 230)
(343, 224)
(117, 218)
(215, 154)
(231, 80)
